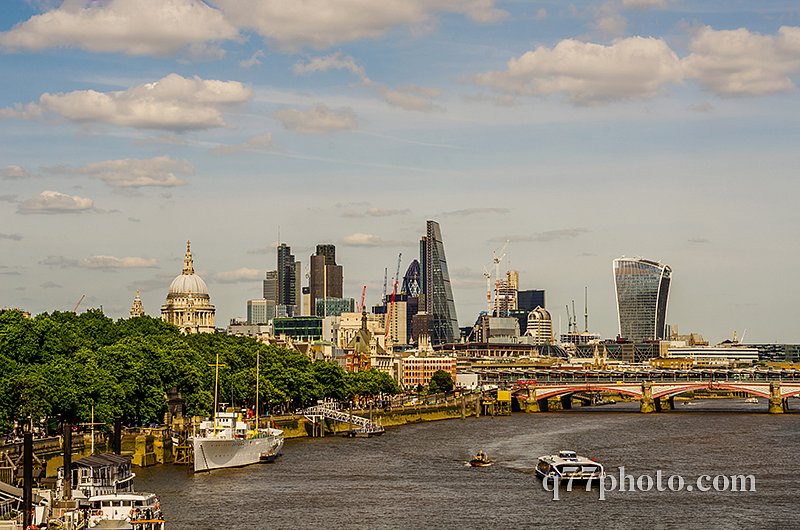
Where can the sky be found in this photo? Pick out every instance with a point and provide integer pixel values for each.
(578, 132)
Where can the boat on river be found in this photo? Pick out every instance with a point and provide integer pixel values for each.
(481, 460)
(227, 441)
(751, 400)
(568, 466)
(140, 511)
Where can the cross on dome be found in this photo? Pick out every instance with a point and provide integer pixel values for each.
(188, 263)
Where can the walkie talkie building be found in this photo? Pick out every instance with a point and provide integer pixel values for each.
(642, 288)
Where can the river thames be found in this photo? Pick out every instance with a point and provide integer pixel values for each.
(415, 476)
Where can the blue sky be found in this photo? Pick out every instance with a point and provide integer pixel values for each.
(580, 132)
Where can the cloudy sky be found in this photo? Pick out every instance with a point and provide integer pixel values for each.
(579, 132)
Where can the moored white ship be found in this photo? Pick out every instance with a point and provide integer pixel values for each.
(227, 441)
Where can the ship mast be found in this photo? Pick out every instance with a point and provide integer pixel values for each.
(257, 367)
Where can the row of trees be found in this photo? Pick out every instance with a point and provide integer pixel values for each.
(62, 364)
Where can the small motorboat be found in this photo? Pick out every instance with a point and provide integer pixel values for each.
(481, 460)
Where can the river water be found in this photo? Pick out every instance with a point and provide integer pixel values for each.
(414, 476)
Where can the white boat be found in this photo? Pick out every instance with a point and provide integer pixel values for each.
(141, 511)
(567, 465)
(751, 400)
(227, 441)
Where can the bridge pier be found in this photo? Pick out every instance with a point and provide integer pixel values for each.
(777, 405)
(646, 403)
(532, 404)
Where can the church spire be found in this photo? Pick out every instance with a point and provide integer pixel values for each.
(188, 264)
(137, 309)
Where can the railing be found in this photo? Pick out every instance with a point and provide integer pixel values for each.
(328, 412)
(527, 376)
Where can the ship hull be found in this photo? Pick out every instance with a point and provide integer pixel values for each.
(211, 453)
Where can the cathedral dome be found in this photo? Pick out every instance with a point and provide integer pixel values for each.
(188, 282)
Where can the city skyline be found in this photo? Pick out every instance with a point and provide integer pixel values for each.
(580, 133)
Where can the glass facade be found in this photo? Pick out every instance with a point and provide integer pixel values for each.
(298, 328)
(642, 288)
(439, 301)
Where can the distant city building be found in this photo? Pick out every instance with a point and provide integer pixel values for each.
(360, 350)
(334, 306)
(271, 286)
(438, 294)
(540, 327)
(260, 311)
(497, 329)
(530, 299)
(418, 370)
(289, 280)
(297, 328)
(137, 309)
(188, 303)
(325, 276)
(505, 294)
(642, 288)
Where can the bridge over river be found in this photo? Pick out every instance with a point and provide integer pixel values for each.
(655, 389)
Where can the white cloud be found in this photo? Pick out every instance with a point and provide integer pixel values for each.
(644, 4)
(14, 172)
(543, 237)
(262, 142)
(587, 73)
(100, 262)
(336, 61)
(476, 211)
(242, 274)
(317, 120)
(321, 23)
(365, 240)
(173, 103)
(132, 27)
(377, 212)
(411, 98)
(11, 237)
(113, 262)
(132, 173)
(253, 60)
(53, 202)
(738, 62)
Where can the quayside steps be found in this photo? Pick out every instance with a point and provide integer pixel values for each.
(328, 412)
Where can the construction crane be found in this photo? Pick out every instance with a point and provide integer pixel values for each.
(363, 294)
(488, 275)
(74, 309)
(497, 257)
(391, 305)
(385, 280)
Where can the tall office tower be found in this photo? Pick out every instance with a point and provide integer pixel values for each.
(642, 288)
(530, 299)
(505, 294)
(325, 277)
(439, 303)
(271, 286)
(288, 278)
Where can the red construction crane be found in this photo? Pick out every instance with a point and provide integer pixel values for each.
(363, 294)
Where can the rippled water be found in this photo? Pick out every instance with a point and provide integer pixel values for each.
(414, 476)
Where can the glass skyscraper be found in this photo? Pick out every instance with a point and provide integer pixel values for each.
(439, 303)
(642, 288)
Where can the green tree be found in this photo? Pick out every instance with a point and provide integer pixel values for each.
(440, 382)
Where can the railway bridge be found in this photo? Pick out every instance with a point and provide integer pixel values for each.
(655, 389)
